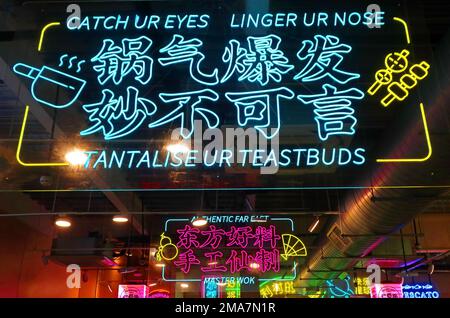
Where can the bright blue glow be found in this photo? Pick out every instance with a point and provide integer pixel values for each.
(48, 77)
(187, 107)
(263, 61)
(210, 288)
(116, 117)
(323, 57)
(265, 108)
(71, 61)
(180, 50)
(334, 114)
(116, 62)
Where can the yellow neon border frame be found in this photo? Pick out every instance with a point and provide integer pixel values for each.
(19, 148)
(405, 25)
(25, 117)
(41, 39)
(427, 136)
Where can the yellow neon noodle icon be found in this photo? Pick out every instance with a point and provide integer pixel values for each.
(292, 246)
(41, 39)
(405, 25)
(19, 148)
(164, 243)
(427, 136)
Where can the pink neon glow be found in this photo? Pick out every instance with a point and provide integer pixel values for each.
(185, 260)
(242, 240)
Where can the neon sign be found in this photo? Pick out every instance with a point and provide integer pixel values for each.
(397, 63)
(159, 293)
(340, 288)
(361, 286)
(387, 290)
(276, 289)
(125, 66)
(210, 288)
(220, 250)
(233, 289)
(132, 291)
(420, 291)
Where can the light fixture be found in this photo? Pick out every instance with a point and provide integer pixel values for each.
(120, 218)
(152, 284)
(199, 221)
(254, 265)
(221, 284)
(178, 148)
(313, 225)
(63, 222)
(184, 285)
(76, 157)
(212, 263)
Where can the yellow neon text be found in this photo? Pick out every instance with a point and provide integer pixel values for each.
(427, 136)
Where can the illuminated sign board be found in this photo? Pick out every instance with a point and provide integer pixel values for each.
(229, 253)
(208, 74)
(420, 291)
(387, 290)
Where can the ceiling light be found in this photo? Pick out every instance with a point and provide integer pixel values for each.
(212, 263)
(152, 284)
(313, 225)
(76, 157)
(120, 218)
(184, 285)
(254, 265)
(63, 222)
(199, 221)
(178, 148)
(221, 284)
